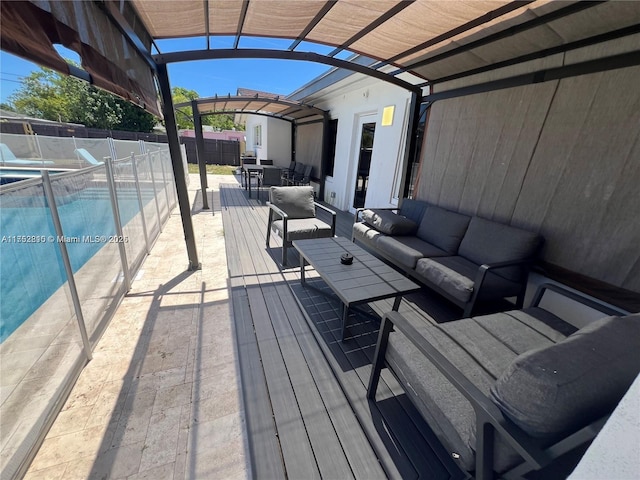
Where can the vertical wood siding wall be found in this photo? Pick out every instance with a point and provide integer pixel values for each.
(561, 158)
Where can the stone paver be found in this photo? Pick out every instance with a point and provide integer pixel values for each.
(160, 399)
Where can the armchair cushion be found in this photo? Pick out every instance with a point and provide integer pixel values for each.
(443, 228)
(302, 228)
(565, 386)
(386, 221)
(491, 242)
(296, 202)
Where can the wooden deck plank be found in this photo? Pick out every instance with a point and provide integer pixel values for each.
(297, 452)
(324, 375)
(327, 445)
(265, 455)
(332, 461)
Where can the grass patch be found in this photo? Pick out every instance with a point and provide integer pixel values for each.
(214, 169)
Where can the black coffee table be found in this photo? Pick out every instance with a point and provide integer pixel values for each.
(366, 280)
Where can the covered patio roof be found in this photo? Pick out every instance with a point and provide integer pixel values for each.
(258, 104)
(416, 45)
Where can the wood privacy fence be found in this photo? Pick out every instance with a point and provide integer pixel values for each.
(220, 152)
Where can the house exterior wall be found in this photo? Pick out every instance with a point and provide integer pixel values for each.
(348, 105)
(275, 139)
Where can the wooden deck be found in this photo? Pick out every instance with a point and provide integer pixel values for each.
(304, 390)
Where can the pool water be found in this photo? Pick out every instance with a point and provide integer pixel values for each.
(31, 267)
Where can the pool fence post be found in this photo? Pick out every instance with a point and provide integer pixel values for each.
(111, 182)
(155, 192)
(140, 202)
(48, 192)
(164, 185)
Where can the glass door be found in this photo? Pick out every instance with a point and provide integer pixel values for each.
(368, 131)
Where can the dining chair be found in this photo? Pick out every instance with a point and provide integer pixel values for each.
(270, 177)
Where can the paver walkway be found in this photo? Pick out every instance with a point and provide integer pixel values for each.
(160, 398)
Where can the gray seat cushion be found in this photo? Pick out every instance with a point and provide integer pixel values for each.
(406, 251)
(456, 276)
(491, 242)
(302, 228)
(443, 228)
(561, 388)
(296, 202)
(388, 222)
(482, 348)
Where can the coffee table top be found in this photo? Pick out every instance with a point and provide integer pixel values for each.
(367, 279)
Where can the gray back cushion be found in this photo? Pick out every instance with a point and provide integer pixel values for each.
(561, 388)
(443, 228)
(492, 242)
(413, 209)
(386, 221)
(297, 202)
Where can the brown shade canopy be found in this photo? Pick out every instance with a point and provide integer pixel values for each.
(421, 41)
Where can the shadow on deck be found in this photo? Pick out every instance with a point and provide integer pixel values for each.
(304, 390)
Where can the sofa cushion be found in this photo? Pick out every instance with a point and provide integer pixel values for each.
(296, 202)
(443, 228)
(491, 242)
(455, 275)
(564, 387)
(406, 251)
(388, 222)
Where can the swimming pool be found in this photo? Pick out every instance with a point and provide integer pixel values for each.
(30, 259)
(10, 175)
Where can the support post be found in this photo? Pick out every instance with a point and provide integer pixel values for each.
(411, 144)
(202, 162)
(178, 167)
(325, 153)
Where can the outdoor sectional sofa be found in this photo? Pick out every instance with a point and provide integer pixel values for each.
(464, 258)
(510, 392)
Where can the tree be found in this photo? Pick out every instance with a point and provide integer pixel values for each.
(53, 96)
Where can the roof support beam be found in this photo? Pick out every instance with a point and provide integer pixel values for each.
(487, 17)
(178, 168)
(592, 66)
(319, 16)
(127, 31)
(372, 26)
(202, 162)
(193, 55)
(623, 32)
(542, 20)
(243, 15)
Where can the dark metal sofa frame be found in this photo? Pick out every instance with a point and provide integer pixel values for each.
(490, 421)
(524, 264)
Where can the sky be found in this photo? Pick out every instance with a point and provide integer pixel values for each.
(207, 77)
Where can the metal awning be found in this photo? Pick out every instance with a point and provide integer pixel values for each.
(259, 104)
(412, 43)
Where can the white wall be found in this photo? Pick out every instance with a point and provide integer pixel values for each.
(365, 97)
(278, 142)
(276, 139)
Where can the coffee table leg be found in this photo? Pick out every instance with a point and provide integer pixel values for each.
(302, 279)
(396, 303)
(345, 315)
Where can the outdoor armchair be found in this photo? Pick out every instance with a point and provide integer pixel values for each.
(292, 216)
